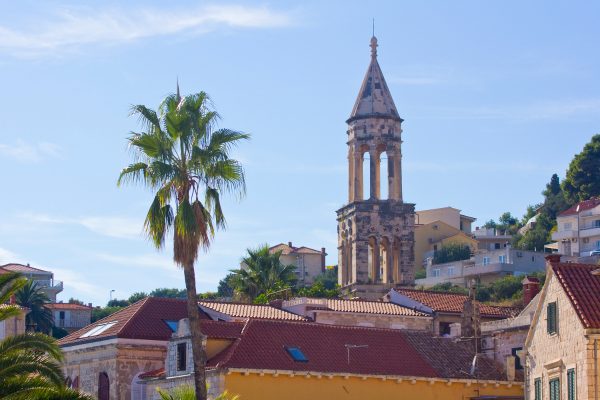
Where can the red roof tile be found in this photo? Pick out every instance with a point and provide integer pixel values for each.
(14, 267)
(67, 306)
(146, 320)
(287, 249)
(454, 303)
(583, 206)
(355, 350)
(243, 310)
(583, 289)
(157, 373)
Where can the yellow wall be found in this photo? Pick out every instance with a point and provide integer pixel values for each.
(256, 387)
(427, 235)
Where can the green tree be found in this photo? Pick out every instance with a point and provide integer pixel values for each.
(118, 303)
(29, 363)
(169, 293)
(225, 288)
(319, 290)
(75, 301)
(39, 318)
(583, 175)
(263, 273)
(452, 252)
(554, 198)
(137, 296)
(328, 278)
(181, 156)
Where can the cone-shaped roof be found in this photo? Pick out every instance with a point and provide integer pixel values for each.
(374, 98)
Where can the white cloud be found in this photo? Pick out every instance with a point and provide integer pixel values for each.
(30, 153)
(7, 256)
(117, 227)
(69, 29)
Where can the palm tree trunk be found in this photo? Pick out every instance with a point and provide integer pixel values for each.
(197, 336)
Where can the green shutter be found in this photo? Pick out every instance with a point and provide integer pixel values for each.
(555, 389)
(552, 320)
(571, 385)
(538, 389)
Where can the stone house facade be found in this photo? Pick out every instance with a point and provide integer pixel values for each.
(309, 262)
(70, 317)
(562, 349)
(578, 229)
(14, 325)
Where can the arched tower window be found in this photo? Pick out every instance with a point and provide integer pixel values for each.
(366, 176)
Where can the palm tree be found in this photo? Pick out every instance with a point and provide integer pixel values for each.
(29, 363)
(262, 272)
(183, 158)
(39, 318)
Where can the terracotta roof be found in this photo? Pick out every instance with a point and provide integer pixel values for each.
(67, 306)
(454, 303)
(287, 249)
(157, 373)
(371, 307)
(583, 206)
(146, 320)
(242, 310)
(583, 289)
(263, 345)
(14, 267)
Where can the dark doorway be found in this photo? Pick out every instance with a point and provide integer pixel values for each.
(103, 386)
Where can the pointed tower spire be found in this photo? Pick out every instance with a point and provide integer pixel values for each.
(374, 98)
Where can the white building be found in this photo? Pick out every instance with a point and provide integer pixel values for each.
(578, 229)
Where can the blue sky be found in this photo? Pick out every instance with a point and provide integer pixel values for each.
(496, 97)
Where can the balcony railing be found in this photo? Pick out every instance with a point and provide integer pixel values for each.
(568, 234)
(50, 284)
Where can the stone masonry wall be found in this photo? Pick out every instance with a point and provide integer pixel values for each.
(374, 320)
(551, 355)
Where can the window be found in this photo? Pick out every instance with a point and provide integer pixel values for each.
(567, 226)
(532, 258)
(296, 354)
(172, 325)
(98, 329)
(598, 245)
(555, 389)
(486, 261)
(444, 328)
(597, 223)
(496, 246)
(552, 318)
(436, 272)
(515, 352)
(571, 391)
(450, 271)
(61, 315)
(502, 259)
(181, 356)
(538, 389)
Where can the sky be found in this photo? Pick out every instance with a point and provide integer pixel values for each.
(496, 96)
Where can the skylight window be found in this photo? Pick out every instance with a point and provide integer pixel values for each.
(296, 354)
(98, 329)
(172, 325)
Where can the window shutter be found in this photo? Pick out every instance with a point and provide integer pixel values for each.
(552, 320)
(554, 389)
(538, 389)
(571, 384)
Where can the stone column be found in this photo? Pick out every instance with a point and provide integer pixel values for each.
(358, 176)
(351, 164)
(374, 170)
(398, 174)
(342, 261)
(392, 186)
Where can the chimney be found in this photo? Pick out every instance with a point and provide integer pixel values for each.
(531, 287)
(290, 244)
(510, 368)
(323, 254)
(90, 305)
(553, 258)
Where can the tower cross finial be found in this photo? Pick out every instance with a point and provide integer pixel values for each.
(373, 47)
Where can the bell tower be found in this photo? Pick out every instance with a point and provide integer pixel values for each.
(375, 228)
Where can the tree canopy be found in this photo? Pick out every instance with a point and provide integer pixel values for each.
(583, 175)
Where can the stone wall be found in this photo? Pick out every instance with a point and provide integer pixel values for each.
(373, 320)
(551, 355)
(499, 345)
(121, 362)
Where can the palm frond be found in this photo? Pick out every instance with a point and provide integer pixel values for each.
(133, 173)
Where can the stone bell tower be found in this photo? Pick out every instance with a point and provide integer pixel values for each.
(375, 234)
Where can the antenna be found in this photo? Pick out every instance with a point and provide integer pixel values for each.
(355, 346)
(373, 26)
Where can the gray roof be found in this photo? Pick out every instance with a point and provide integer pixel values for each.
(374, 98)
